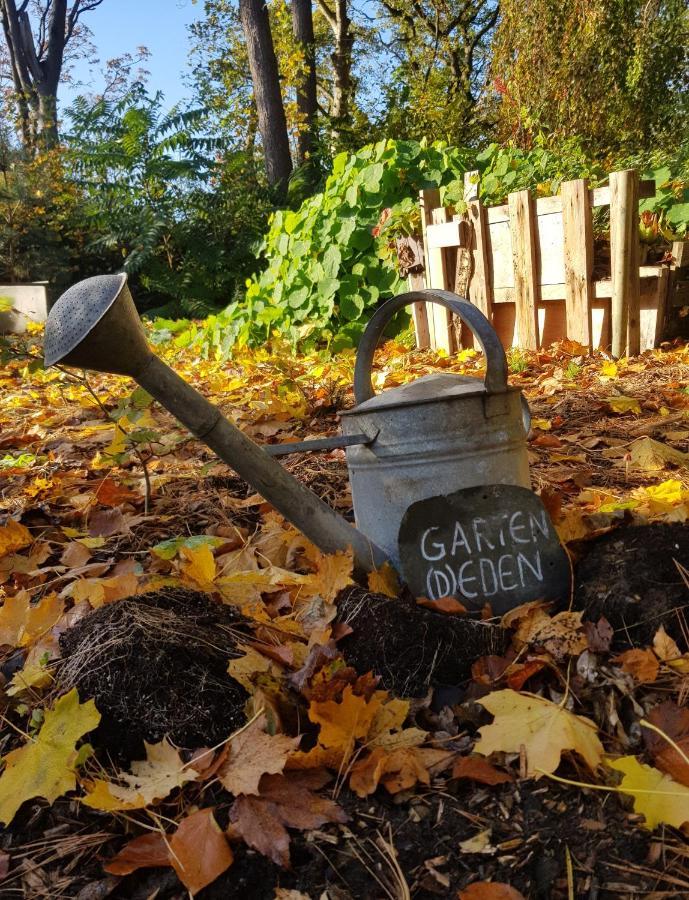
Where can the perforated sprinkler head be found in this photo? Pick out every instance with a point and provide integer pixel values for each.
(95, 325)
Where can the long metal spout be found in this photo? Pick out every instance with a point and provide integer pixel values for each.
(95, 325)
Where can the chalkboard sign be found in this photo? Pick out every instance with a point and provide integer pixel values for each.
(489, 544)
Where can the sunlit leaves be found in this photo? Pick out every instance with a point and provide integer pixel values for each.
(44, 766)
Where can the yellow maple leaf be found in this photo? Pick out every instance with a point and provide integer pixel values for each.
(344, 722)
(198, 563)
(14, 536)
(44, 767)
(333, 573)
(384, 581)
(657, 797)
(150, 780)
(623, 405)
(543, 728)
(609, 369)
(21, 623)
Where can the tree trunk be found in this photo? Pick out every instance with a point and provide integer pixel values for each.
(307, 101)
(36, 69)
(264, 74)
(340, 24)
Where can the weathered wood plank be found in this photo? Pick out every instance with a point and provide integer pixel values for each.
(439, 318)
(525, 261)
(624, 260)
(429, 199)
(578, 252)
(447, 234)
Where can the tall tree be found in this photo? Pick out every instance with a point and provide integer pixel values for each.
(307, 99)
(336, 14)
(613, 72)
(36, 58)
(272, 123)
(441, 48)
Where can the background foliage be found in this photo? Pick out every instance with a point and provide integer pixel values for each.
(179, 198)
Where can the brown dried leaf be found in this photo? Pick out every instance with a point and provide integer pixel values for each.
(147, 850)
(489, 890)
(642, 665)
(253, 753)
(284, 800)
(199, 852)
(478, 769)
(673, 721)
(448, 605)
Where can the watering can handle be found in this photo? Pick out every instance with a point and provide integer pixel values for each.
(496, 361)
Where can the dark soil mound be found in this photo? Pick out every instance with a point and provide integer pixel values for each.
(410, 647)
(630, 577)
(156, 665)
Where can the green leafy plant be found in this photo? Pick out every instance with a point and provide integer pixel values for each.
(323, 271)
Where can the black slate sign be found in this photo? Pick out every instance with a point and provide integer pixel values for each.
(489, 544)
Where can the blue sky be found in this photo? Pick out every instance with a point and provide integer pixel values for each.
(120, 26)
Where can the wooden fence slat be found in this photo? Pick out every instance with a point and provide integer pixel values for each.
(525, 262)
(442, 336)
(577, 222)
(624, 262)
(480, 284)
(429, 199)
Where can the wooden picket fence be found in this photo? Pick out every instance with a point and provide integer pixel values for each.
(529, 266)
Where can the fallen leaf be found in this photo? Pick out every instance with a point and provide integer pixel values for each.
(199, 852)
(22, 623)
(673, 721)
(75, 555)
(623, 405)
(384, 581)
(284, 801)
(664, 647)
(478, 843)
(253, 753)
(198, 563)
(448, 605)
(44, 767)
(489, 890)
(543, 728)
(150, 780)
(657, 797)
(344, 722)
(144, 851)
(648, 455)
(110, 493)
(107, 522)
(478, 769)
(397, 770)
(333, 574)
(14, 536)
(561, 636)
(599, 635)
(642, 665)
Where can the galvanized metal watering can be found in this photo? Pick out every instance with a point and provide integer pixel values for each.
(439, 434)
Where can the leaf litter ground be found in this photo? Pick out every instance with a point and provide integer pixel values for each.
(106, 499)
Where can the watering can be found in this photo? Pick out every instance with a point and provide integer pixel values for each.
(464, 431)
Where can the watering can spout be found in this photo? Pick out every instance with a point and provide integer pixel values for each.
(95, 325)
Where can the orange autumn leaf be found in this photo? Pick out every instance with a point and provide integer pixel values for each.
(344, 722)
(14, 536)
(642, 665)
(489, 890)
(448, 605)
(479, 769)
(397, 770)
(148, 850)
(673, 721)
(199, 852)
(110, 493)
